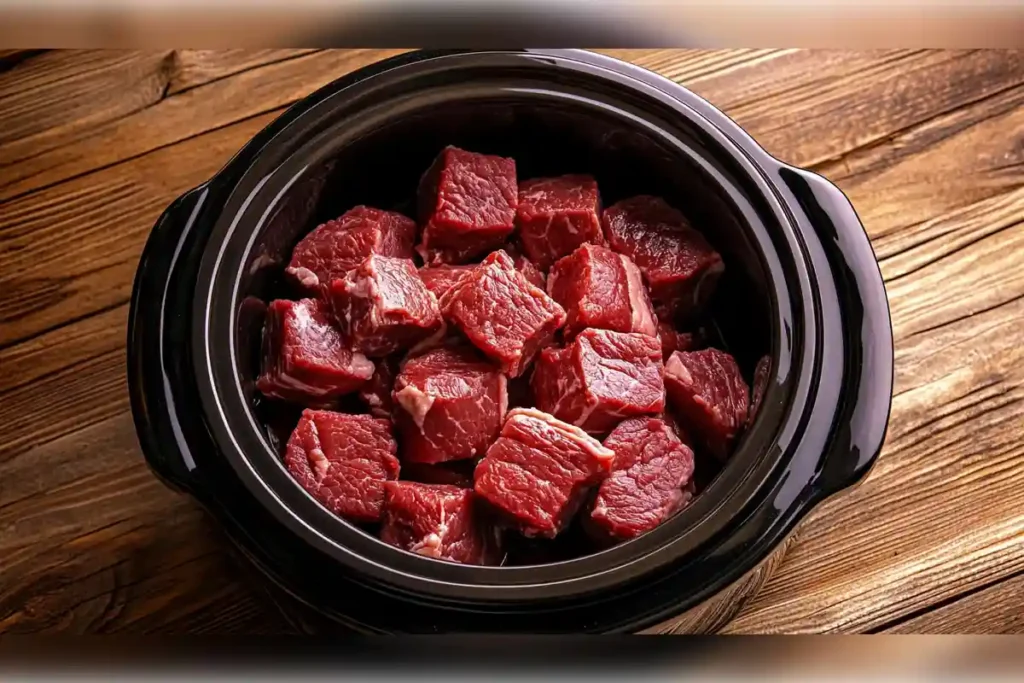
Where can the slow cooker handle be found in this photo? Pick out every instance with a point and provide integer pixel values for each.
(863, 417)
(157, 341)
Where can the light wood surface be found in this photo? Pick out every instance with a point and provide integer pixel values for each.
(928, 145)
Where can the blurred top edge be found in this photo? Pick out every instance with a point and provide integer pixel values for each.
(580, 23)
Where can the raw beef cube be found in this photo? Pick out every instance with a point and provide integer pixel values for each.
(557, 215)
(600, 288)
(343, 461)
(438, 521)
(673, 340)
(455, 473)
(538, 472)
(760, 385)
(502, 314)
(450, 405)
(467, 205)
(304, 356)
(651, 469)
(532, 273)
(600, 379)
(709, 396)
(376, 394)
(340, 245)
(524, 265)
(383, 306)
(681, 268)
(439, 279)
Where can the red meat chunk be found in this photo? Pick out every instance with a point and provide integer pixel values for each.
(532, 273)
(760, 385)
(304, 356)
(602, 378)
(557, 215)
(681, 268)
(538, 472)
(383, 306)
(502, 314)
(652, 468)
(673, 340)
(439, 279)
(600, 288)
(438, 521)
(467, 204)
(343, 461)
(376, 394)
(338, 246)
(709, 396)
(450, 405)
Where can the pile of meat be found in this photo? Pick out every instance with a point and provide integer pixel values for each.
(521, 359)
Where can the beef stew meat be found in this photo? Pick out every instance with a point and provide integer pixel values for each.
(376, 394)
(600, 379)
(343, 461)
(651, 471)
(681, 268)
(502, 314)
(534, 275)
(340, 245)
(600, 288)
(539, 470)
(450, 405)
(383, 306)
(524, 265)
(439, 279)
(305, 359)
(673, 340)
(707, 391)
(557, 215)
(440, 521)
(537, 324)
(467, 205)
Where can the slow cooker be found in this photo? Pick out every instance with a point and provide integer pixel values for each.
(802, 285)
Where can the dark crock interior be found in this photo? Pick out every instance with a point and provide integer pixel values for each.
(551, 123)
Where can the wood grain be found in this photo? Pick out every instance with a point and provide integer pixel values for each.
(929, 145)
(992, 610)
(95, 270)
(163, 117)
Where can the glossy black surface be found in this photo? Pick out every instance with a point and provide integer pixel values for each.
(802, 284)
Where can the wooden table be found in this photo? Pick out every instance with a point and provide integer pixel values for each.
(929, 146)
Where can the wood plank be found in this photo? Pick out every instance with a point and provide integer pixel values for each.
(810, 123)
(63, 401)
(996, 609)
(66, 95)
(950, 162)
(55, 99)
(49, 279)
(940, 236)
(62, 348)
(193, 68)
(99, 545)
(169, 118)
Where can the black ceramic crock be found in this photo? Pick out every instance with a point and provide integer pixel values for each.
(802, 285)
